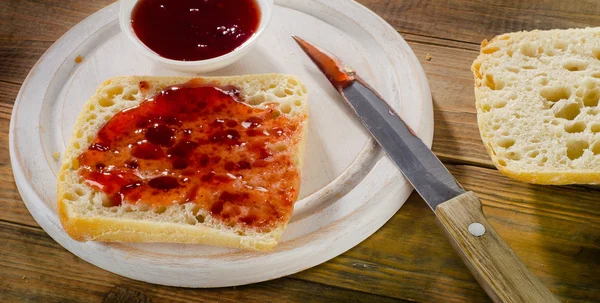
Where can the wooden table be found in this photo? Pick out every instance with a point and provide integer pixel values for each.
(554, 230)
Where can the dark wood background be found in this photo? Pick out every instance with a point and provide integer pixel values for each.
(554, 230)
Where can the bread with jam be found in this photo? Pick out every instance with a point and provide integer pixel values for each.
(214, 160)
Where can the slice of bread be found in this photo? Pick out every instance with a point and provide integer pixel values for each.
(537, 104)
(84, 212)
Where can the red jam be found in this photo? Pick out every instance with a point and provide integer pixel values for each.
(197, 144)
(191, 30)
(338, 73)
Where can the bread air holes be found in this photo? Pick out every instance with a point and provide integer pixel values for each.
(275, 113)
(575, 127)
(555, 93)
(493, 84)
(568, 111)
(191, 220)
(575, 148)
(596, 53)
(513, 156)
(542, 81)
(561, 45)
(490, 50)
(130, 95)
(286, 108)
(574, 65)
(105, 201)
(280, 146)
(112, 91)
(505, 142)
(256, 99)
(512, 69)
(500, 103)
(279, 93)
(160, 209)
(591, 97)
(528, 49)
(75, 164)
(80, 192)
(533, 154)
(477, 70)
(105, 102)
(596, 148)
(486, 107)
(143, 207)
(595, 128)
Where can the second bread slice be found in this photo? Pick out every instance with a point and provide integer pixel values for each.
(537, 104)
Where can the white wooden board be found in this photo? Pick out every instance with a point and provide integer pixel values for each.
(349, 188)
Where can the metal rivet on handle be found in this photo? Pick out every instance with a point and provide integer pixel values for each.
(477, 229)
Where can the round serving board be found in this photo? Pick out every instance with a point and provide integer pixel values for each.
(349, 188)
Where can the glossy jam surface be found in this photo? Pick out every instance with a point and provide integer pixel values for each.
(338, 73)
(195, 144)
(191, 30)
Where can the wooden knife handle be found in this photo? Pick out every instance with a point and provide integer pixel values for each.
(491, 261)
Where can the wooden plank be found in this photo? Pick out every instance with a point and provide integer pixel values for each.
(36, 269)
(557, 237)
(455, 20)
(456, 134)
(12, 208)
(29, 27)
(457, 139)
(474, 20)
(43, 20)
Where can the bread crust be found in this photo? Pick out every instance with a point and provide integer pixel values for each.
(86, 220)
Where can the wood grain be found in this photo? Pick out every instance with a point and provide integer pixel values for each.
(410, 257)
(12, 207)
(58, 276)
(491, 261)
(474, 20)
(554, 230)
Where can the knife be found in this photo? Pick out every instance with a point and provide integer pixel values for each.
(491, 261)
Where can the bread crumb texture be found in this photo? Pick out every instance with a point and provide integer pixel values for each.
(537, 104)
(86, 214)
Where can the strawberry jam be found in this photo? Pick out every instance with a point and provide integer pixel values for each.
(199, 144)
(190, 30)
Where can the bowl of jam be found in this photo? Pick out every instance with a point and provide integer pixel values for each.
(194, 35)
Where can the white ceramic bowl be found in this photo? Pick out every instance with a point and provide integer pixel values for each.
(200, 66)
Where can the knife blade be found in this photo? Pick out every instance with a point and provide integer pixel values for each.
(494, 265)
